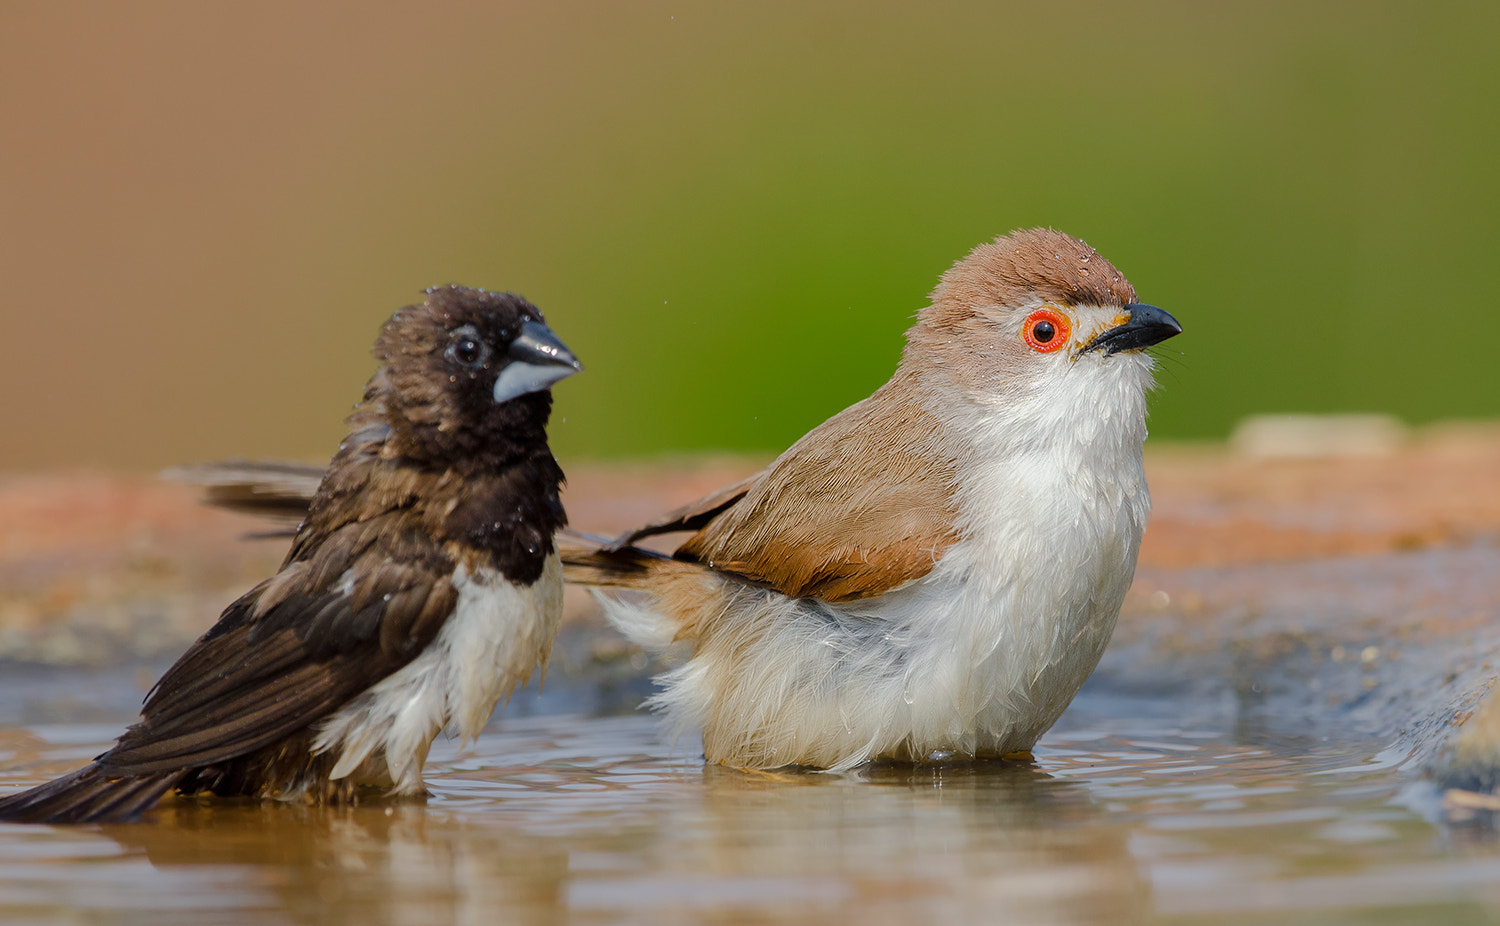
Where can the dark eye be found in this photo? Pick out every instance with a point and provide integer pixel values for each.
(466, 350)
(464, 347)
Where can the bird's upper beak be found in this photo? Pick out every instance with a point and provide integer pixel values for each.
(537, 360)
(1148, 325)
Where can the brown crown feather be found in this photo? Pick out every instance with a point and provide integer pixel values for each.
(1028, 262)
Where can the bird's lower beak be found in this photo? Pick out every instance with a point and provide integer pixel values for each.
(537, 360)
(1148, 325)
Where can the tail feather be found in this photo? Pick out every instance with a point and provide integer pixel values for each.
(89, 795)
(270, 488)
(675, 590)
(594, 561)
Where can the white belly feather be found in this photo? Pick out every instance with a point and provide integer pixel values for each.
(975, 658)
(497, 634)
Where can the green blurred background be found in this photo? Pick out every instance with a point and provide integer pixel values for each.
(730, 211)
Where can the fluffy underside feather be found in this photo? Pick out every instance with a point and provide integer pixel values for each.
(498, 634)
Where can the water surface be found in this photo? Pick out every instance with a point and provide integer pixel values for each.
(1134, 810)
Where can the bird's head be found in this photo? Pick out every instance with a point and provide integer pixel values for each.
(1036, 315)
(466, 375)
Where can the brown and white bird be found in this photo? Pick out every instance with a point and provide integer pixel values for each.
(422, 587)
(937, 569)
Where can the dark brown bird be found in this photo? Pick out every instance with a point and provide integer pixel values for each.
(421, 588)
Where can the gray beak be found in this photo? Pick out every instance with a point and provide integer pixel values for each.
(1148, 325)
(537, 360)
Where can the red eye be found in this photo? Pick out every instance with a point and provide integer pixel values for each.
(1045, 330)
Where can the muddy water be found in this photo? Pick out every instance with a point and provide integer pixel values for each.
(1136, 809)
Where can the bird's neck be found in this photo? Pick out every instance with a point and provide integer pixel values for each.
(500, 508)
(510, 515)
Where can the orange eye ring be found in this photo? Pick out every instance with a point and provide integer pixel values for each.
(1046, 330)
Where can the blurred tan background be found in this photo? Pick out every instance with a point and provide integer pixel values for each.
(206, 210)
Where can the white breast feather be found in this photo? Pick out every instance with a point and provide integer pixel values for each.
(497, 634)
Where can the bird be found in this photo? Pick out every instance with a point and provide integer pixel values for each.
(932, 573)
(421, 588)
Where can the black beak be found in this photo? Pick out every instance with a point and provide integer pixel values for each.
(1148, 325)
(537, 344)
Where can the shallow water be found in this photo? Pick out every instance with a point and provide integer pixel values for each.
(1134, 810)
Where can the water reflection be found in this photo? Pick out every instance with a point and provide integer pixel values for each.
(557, 819)
(391, 865)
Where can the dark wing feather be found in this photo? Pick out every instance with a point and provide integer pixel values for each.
(88, 795)
(295, 649)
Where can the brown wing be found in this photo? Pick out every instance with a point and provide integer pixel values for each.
(861, 505)
(295, 648)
